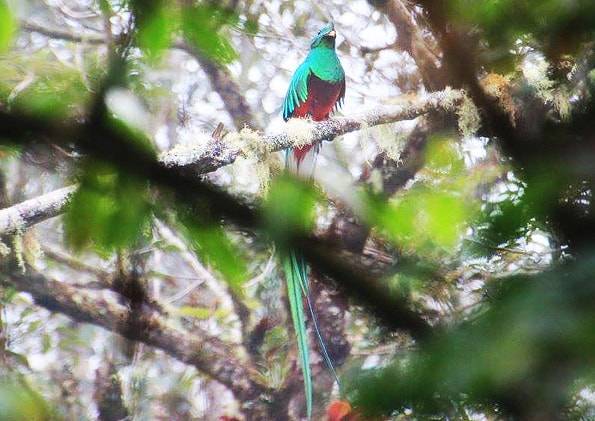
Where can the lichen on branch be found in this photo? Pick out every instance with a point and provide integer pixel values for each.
(206, 154)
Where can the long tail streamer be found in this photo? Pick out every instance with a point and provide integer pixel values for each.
(296, 278)
(296, 274)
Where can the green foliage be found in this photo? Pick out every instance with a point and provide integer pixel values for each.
(20, 403)
(213, 246)
(105, 6)
(251, 26)
(532, 326)
(156, 22)
(557, 26)
(202, 24)
(7, 26)
(202, 27)
(428, 216)
(7, 294)
(109, 210)
(290, 207)
(499, 228)
(442, 156)
(276, 365)
(200, 313)
(517, 212)
(47, 87)
(422, 218)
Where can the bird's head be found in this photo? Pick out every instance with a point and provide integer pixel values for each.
(326, 36)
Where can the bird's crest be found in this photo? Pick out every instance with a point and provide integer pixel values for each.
(326, 30)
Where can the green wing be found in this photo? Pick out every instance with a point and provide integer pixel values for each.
(296, 278)
(297, 93)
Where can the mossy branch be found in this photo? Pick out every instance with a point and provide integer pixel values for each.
(208, 154)
(30, 212)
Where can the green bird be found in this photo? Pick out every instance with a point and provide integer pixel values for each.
(316, 89)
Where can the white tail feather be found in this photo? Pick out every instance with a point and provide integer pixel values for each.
(307, 164)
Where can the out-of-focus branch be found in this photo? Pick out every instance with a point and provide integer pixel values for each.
(58, 256)
(559, 143)
(208, 354)
(56, 33)
(213, 153)
(108, 394)
(101, 141)
(225, 296)
(221, 80)
(411, 40)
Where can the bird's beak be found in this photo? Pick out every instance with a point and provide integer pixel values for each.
(332, 34)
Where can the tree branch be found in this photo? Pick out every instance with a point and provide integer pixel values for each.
(61, 34)
(33, 211)
(215, 154)
(221, 81)
(101, 141)
(108, 394)
(104, 278)
(212, 154)
(208, 354)
(411, 40)
(227, 88)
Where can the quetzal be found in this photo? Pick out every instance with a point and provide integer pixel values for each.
(316, 89)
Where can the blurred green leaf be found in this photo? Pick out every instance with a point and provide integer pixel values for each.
(446, 216)
(109, 210)
(534, 327)
(214, 247)
(105, 6)
(521, 208)
(33, 326)
(251, 26)
(442, 156)
(20, 403)
(47, 87)
(422, 217)
(19, 358)
(7, 26)
(557, 26)
(501, 224)
(156, 23)
(406, 285)
(290, 207)
(435, 211)
(202, 26)
(201, 313)
(46, 342)
(7, 294)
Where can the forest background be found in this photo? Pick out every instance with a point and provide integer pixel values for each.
(144, 205)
